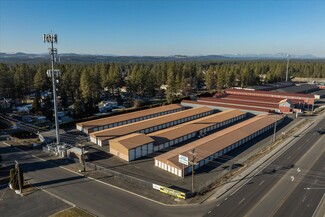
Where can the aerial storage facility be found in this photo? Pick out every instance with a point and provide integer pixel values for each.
(134, 146)
(118, 120)
(147, 126)
(217, 144)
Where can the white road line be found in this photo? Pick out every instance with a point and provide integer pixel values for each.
(38, 158)
(226, 198)
(209, 212)
(218, 205)
(304, 199)
(261, 183)
(58, 197)
(288, 157)
(241, 201)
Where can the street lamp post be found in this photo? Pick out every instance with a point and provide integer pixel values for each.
(52, 38)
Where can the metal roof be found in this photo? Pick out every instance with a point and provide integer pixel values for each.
(263, 105)
(268, 93)
(133, 140)
(128, 116)
(145, 124)
(223, 105)
(178, 131)
(194, 126)
(218, 141)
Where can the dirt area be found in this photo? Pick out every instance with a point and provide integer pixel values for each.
(72, 212)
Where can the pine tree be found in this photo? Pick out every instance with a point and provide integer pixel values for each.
(170, 92)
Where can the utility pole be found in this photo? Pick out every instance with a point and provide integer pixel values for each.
(288, 57)
(192, 162)
(53, 38)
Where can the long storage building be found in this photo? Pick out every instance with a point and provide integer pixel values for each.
(217, 144)
(147, 126)
(119, 120)
(134, 146)
(307, 98)
(223, 106)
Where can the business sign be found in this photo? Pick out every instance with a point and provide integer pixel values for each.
(170, 191)
(183, 159)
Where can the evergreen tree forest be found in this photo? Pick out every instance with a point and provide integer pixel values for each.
(83, 83)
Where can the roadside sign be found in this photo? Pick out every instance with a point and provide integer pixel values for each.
(169, 191)
(183, 159)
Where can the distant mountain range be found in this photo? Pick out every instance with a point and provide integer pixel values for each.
(95, 58)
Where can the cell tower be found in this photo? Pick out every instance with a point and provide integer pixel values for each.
(53, 38)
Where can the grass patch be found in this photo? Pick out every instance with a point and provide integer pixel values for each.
(73, 212)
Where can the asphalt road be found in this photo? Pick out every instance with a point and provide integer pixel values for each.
(95, 197)
(272, 193)
(104, 200)
(306, 197)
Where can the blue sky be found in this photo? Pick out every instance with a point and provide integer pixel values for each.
(154, 27)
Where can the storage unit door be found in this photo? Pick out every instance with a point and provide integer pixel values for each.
(144, 150)
(131, 154)
(138, 152)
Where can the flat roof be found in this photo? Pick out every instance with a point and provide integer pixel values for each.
(215, 142)
(137, 126)
(194, 126)
(319, 92)
(267, 93)
(133, 140)
(128, 116)
(299, 88)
